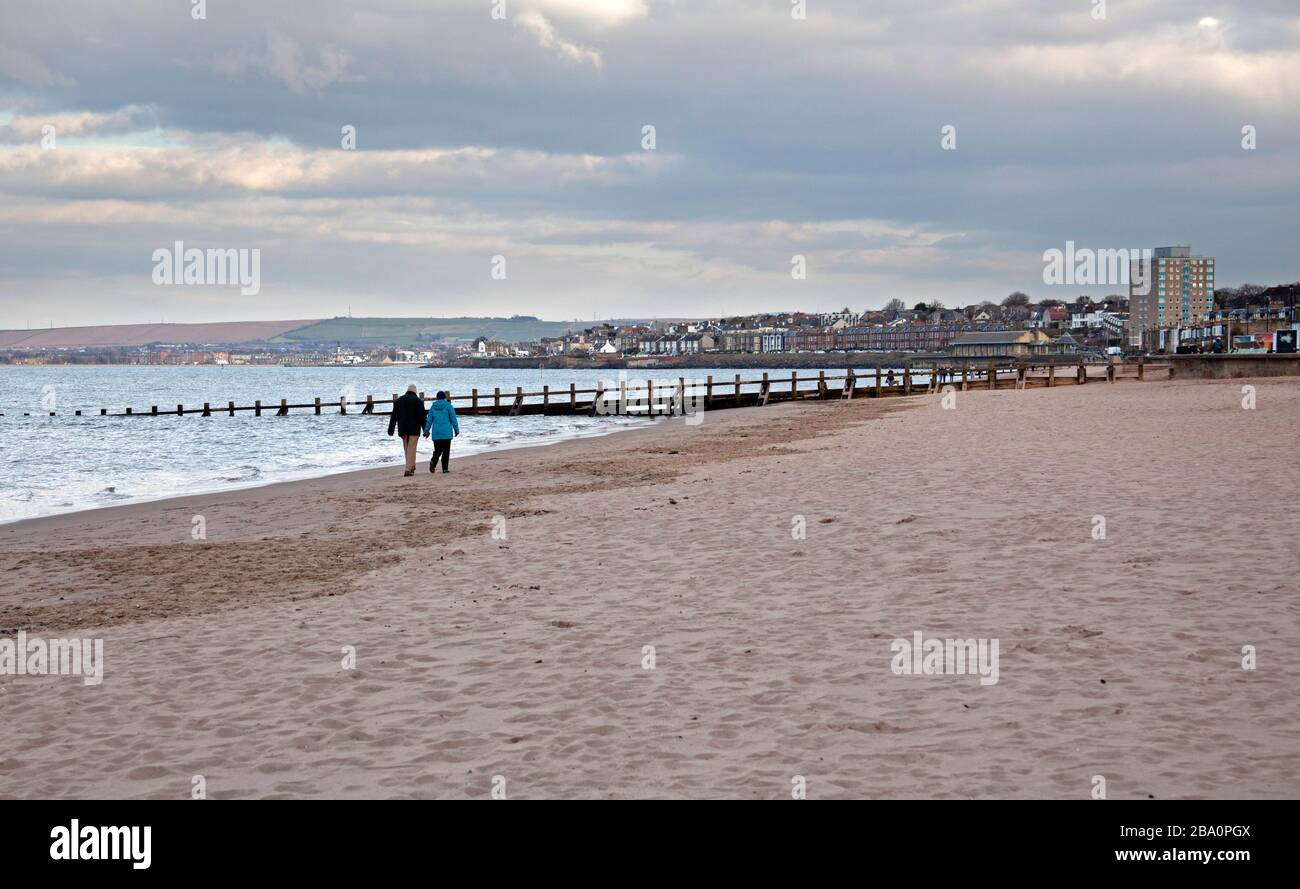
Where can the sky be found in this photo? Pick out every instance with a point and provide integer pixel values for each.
(501, 163)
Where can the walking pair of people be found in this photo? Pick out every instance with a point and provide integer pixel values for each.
(410, 419)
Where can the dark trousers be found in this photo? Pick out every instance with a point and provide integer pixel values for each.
(441, 447)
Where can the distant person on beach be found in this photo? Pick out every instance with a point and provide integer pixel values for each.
(408, 418)
(889, 379)
(441, 426)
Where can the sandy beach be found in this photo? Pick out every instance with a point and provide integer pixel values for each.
(524, 656)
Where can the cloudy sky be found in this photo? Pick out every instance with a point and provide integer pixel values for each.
(522, 136)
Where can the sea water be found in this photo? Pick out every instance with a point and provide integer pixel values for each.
(64, 463)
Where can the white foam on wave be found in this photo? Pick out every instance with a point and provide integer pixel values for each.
(248, 457)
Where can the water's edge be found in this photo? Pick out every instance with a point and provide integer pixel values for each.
(11, 523)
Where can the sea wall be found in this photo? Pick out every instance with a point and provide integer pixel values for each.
(1226, 367)
(787, 360)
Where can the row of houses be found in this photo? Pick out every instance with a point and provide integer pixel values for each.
(676, 344)
(902, 336)
(1093, 326)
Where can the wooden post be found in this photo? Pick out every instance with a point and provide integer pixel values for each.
(128, 412)
(622, 397)
(180, 410)
(708, 391)
(103, 412)
(1081, 376)
(496, 400)
(473, 401)
(78, 413)
(879, 390)
(230, 409)
(907, 377)
(650, 398)
(343, 404)
(965, 375)
(370, 405)
(737, 404)
(1110, 371)
(821, 384)
(597, 403)
(1051, 374)
(993, 375)
(573, 397)
(317, 405)
(153, 410)
(257, 407)
(794, 384)
(546, 398)
(1141, 360)
(519, 401)
(207, 411)
(284, 408)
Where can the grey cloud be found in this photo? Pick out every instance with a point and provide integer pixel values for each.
(1117, 133)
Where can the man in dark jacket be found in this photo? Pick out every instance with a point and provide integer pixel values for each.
(408, 419)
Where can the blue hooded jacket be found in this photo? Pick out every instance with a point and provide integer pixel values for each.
(441, 422)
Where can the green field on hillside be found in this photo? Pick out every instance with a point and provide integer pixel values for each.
(422, 331)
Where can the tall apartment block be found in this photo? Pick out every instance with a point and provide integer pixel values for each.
(1171, 289)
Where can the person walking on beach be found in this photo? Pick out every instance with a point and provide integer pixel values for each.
(407, 419)
(441, 426)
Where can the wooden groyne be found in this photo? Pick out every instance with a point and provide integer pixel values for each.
(661, 397)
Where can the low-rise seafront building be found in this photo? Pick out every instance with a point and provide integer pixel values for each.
(1005, 344)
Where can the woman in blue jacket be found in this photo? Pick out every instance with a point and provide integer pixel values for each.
(441, 426)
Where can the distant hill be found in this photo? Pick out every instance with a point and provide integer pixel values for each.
(218, 333)
(352, 331)
(413, 331)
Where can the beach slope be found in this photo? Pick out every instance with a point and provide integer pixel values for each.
(700, 611)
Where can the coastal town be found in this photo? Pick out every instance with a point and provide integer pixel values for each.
(1243, 319)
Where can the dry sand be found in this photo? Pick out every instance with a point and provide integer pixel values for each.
(522, 657)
